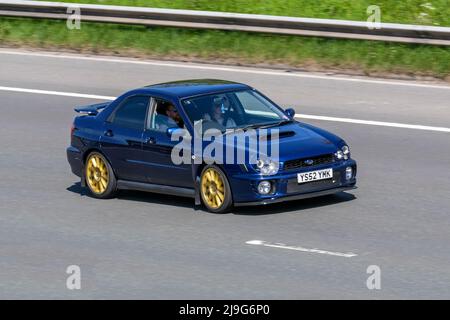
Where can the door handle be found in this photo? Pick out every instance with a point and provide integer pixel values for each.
(151, 140)
(109, 133)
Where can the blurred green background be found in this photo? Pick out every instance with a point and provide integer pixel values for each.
(231, 47)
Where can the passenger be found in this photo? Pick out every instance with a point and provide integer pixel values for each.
(220, 112)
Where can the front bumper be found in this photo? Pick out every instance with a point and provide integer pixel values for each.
(295, 197)
(286, 187)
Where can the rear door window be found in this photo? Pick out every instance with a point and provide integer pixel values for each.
(132, 113)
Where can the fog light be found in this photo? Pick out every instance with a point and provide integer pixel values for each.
(348, 173)
(264, 187)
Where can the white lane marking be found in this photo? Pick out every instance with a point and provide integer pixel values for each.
(227, 69)
(296, 248)
(304, 116)
(374, 123)
(57, 93)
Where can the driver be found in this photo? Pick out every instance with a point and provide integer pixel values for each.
(173, 114)
(168, 117)
(218, 113)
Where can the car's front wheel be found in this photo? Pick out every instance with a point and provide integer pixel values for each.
(99, 176)
(215, 190)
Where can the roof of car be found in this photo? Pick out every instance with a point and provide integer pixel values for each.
(188, 88)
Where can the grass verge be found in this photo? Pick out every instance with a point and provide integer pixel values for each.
(316, 54)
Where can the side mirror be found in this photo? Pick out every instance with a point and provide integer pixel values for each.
(290, 113)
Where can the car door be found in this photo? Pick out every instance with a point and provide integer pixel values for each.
(122, 138)
(157, 149)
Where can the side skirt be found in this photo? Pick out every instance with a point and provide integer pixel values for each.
(156, 188)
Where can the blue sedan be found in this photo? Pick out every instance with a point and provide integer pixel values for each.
(147, 139)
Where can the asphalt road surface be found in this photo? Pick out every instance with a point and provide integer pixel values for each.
(149, 246)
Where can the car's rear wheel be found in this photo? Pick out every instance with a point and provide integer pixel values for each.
(215, 190)
(99, 176)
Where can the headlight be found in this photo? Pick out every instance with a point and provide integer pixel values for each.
(267, 167)
(344, 153)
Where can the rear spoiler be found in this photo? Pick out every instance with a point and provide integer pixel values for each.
(93, 109)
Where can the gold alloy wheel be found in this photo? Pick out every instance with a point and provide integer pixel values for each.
(212, 188)
(97, 174)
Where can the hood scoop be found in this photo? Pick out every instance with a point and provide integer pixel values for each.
(281, 135)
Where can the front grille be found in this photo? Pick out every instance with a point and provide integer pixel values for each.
(303, 163)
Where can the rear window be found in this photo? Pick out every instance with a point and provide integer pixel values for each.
(131, 113)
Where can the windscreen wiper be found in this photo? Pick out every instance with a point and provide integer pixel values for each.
(276, 124)
(263, 125)
(250, 126)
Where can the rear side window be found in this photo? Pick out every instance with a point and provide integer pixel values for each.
(131, 113)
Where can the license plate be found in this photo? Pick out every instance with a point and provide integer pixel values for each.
(315, 175)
